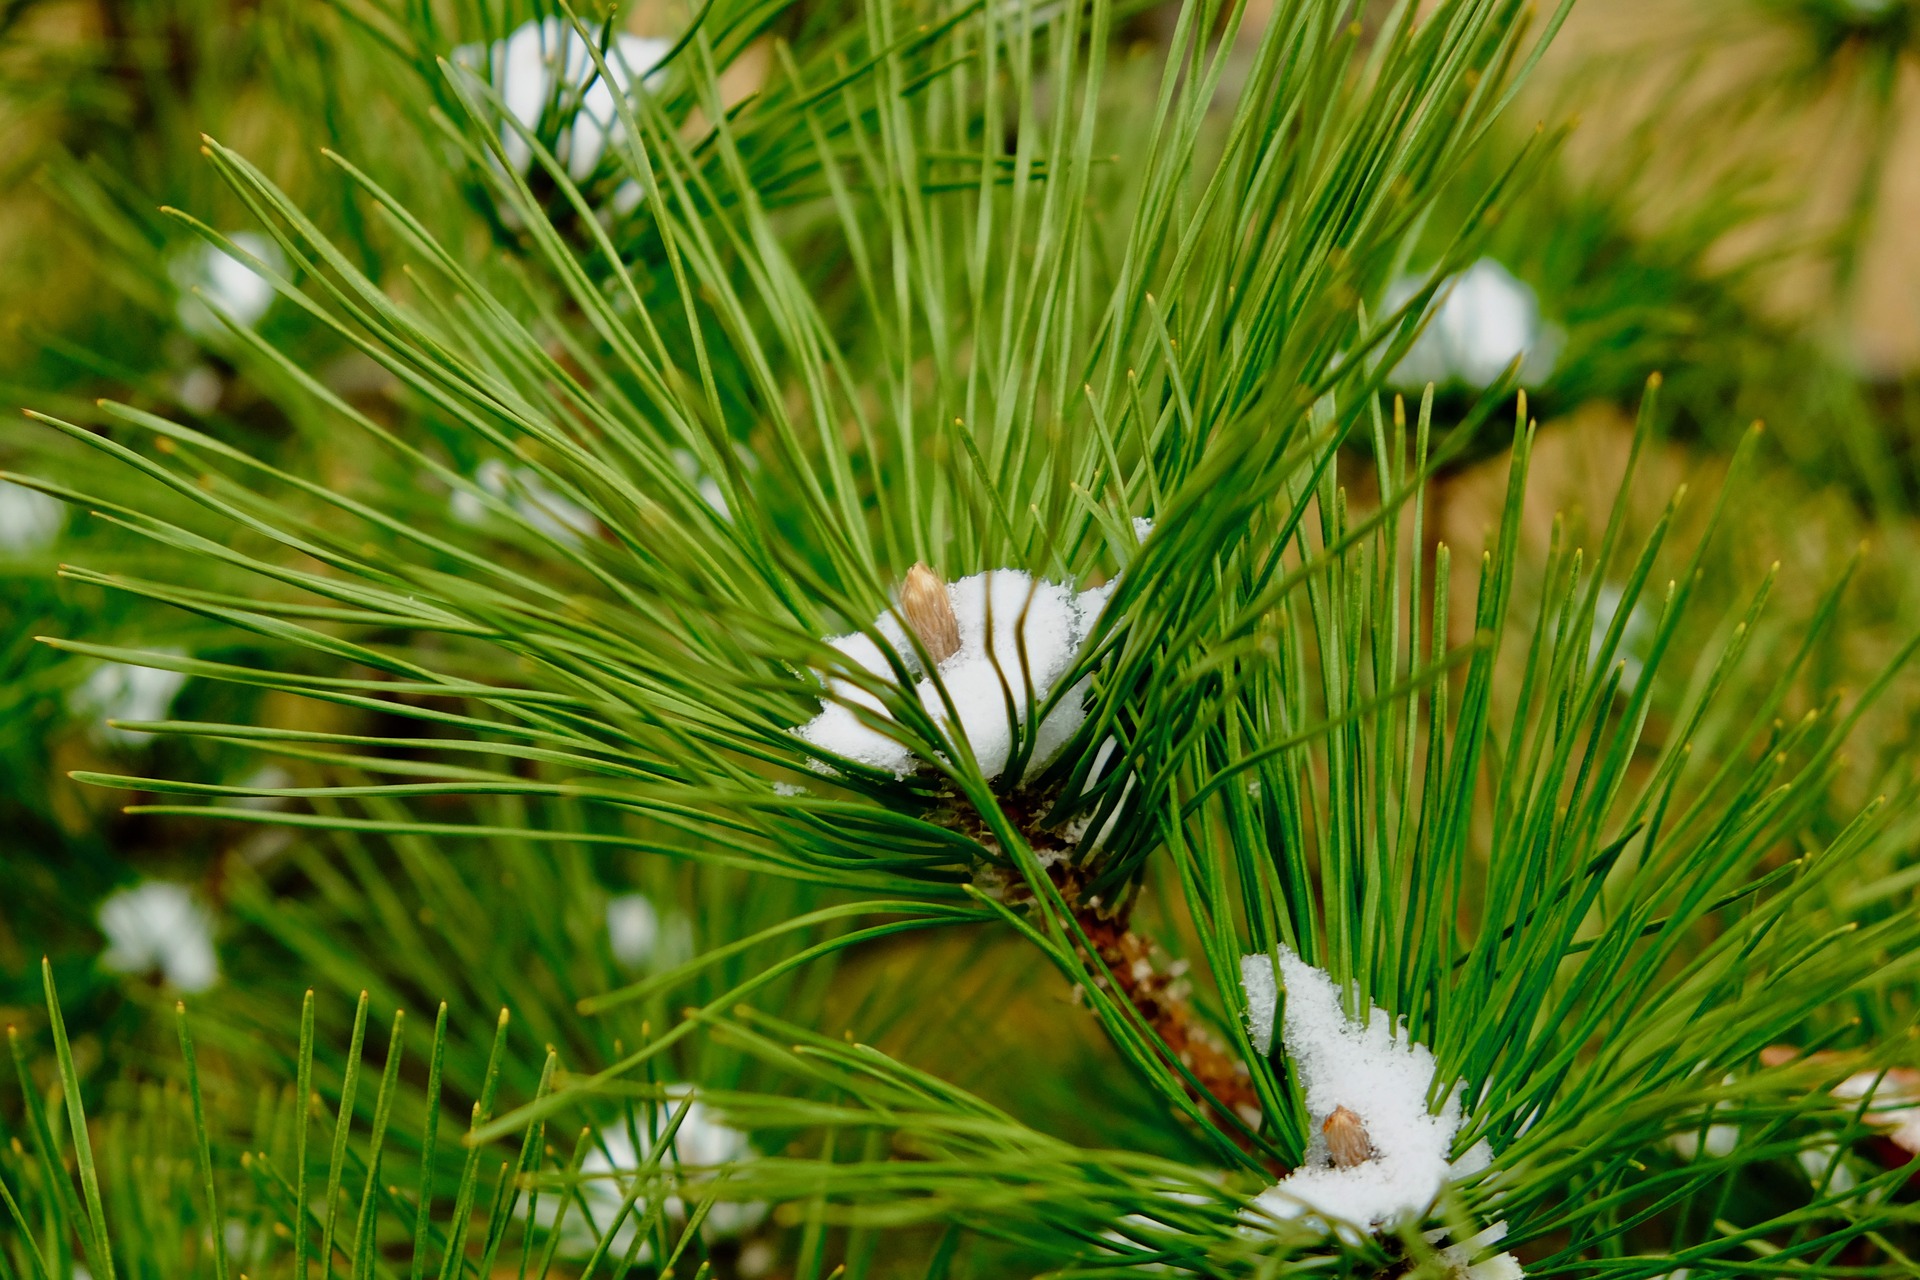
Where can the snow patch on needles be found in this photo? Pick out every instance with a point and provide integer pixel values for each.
(123, 691)
(157, 925)
(701, 1146)
(1636, 636)
(1894, 1108)
(544, 63)
(531, 497)
(640, 938)
(1481, 321)
(1499, 1266)
(1372, 1072)
(29, 519)
(212, 280)
(1018, 637)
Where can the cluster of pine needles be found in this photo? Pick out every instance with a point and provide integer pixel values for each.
(750, 639)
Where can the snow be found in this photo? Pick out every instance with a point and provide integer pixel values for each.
(532, 497)
(837, 728)
(1499, 1266)
(199, 390)
(269, 777)
(1262, 988)
(524, 68)
(700, 1145)
(640, 939)
(29, 519)
(212, 280)
(243, 1244)
(1371, 1069)
(1816, 1161)
(158, 925)
(123, 691)
(1480, 321)
(1149, 1226)
(756, 1259)
(704, 484)
(1635, 635)
(1720, 1141)
(1014, 632)
(1895, 1108)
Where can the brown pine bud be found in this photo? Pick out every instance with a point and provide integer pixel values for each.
(929, 612)
(1347, 1140)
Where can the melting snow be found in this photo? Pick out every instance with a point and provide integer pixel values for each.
(159, 925)
(29, 519)
(1373, 1070)
(537, 502)
(640, 939)
(701, 1145)
(1635, 636)
(1894, 1108)
(545, 62)
(122, 691)
(1499, 1266)
(1481, 320)
(226, 284)
(1037, 628)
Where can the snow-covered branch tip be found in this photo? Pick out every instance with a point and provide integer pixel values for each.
(999, 641)
(1378, 1154)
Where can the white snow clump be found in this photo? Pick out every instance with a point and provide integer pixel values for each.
(1826, 1166)
(1480, 320)
(707, 487)
(268, 777)
(198, 389)
(29, 519)
(159, 925)
(545, 63)
(700, 1145)
(1720, 1140)
(123, 691)
(1895, 1109)
(1374, 1071)
(532, 497)
(1500, 1266)
(1635, 634)
(640, 939)
(212, 280)
(1056, 623)
(1147, 1224)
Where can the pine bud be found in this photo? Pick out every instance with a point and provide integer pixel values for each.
(1347, 1139)
(924, 601)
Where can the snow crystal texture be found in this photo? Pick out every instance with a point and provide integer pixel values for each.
(1372, 1069)
(1018, 637)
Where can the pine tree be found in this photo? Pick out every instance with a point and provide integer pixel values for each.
(949, 513)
